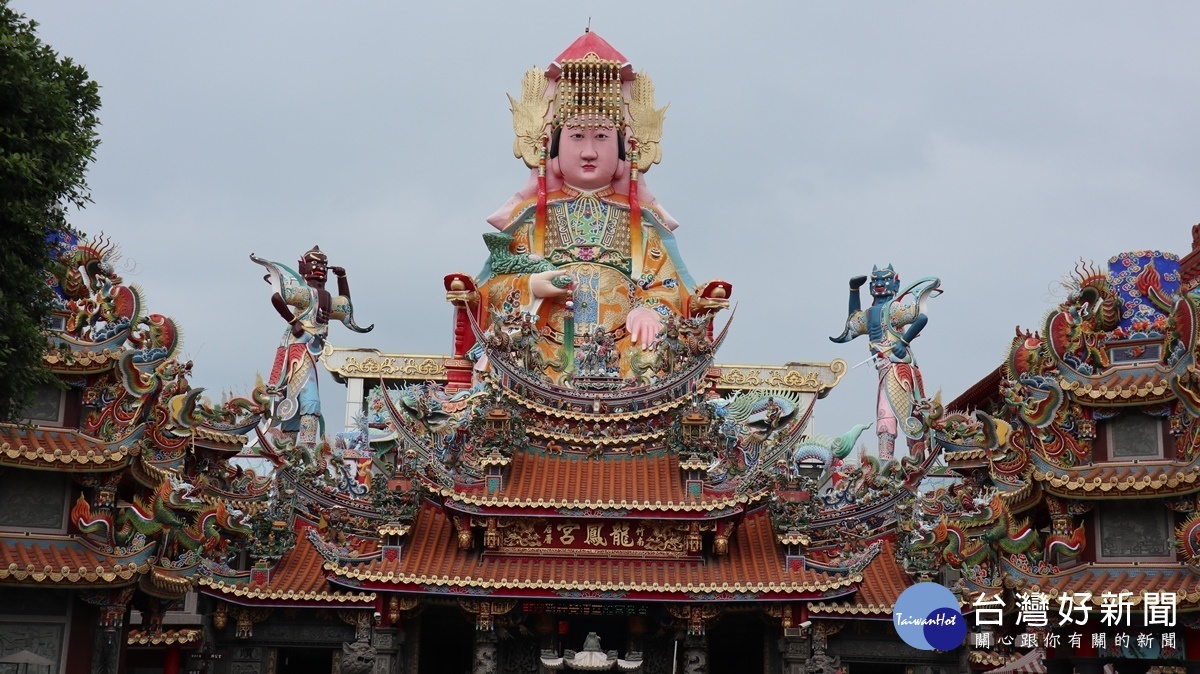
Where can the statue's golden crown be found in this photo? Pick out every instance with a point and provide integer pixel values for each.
(589, 88)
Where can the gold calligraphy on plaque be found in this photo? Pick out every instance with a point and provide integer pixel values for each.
(567, 533)
(539, 536)
(620, 535)
(593, 536)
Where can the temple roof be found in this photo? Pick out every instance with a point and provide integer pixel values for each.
(614, 482)
(882, 582)
(299, 576)
(979, 395)
(138, 637)
(66, 560)
(1113, 480)
(1121, 387)
(754, 568)
(59, 449)
(1099, 578)
(64, 358)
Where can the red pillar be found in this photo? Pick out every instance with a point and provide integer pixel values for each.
(1191, 642)
(171, 660)
(1086, 649)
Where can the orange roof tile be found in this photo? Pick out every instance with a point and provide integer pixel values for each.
(1099, 578)
(1190, 264)
(62, 358)
(58, 448)
(615, 481)
(1121, 479)
(64, 560)
(298, 576)
(979, 395)
(882, 582)
(1120, 388)
(754, 566)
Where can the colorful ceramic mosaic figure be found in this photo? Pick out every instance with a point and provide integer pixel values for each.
(579, 248)
(302, 300)
(890, 325)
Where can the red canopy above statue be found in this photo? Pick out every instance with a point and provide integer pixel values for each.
(588, 43)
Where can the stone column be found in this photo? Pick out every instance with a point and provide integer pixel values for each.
(388, 642)
(107, 643)
(485, 653)
(795, 654)
(695, 654)
(106, 651)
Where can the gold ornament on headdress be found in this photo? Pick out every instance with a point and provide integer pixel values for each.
(589, 92)
(529, 116)
(646, 121)
(315, 254)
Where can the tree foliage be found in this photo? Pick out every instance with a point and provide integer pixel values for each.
(47, 140)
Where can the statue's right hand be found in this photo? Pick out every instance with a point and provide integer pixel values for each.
(297, 329)
(857, 282)
(542, 285)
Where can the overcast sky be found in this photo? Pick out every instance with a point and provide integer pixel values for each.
(990, 144)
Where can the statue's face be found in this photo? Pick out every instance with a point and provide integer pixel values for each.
(884, 282)
(587, 157)
(316, 270)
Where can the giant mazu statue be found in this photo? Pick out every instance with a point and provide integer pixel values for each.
(579, 484)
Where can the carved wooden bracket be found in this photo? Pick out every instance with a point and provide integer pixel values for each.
(698, 617)
(486, 610)
(466, 539)
(245, 617)
(112, 605)
(361, 620)
(398, 606)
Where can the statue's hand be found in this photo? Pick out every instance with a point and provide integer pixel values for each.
(899, 350)
(857, 282)
(543, 286)
(297, 329)
(643, 326)
(338, 271)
